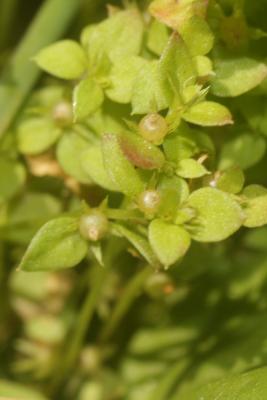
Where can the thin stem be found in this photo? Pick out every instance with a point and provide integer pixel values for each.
(129, 295)
(82, 324)
(20, 75)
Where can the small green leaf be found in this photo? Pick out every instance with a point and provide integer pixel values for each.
(69, 150)
(57, 245)
(255, 206)
(231, 180)
(122, 78)
(170, 242)
(65, 59)
(218, 215)
(118, 36)
(197, 36)
(237, 75)
(12, 178)
(176, 63)
(87, 98)
(93, 165)
(244, 150)
(178, 146)
(204, 66)
(120, 170)
(151, 90)
(157, 37)
(36, 135)
(190, 168)
(173, 191)
(140, 152)
(139, 242)
(208, 113)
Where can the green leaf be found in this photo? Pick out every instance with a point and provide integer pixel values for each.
(190, 168)
(65, 59)
(122, 78)
(197, 36)
(157, 37)
(139, 242)
(208, 113)
(255, 206)
(12, 178)
(218, 215)
(174, 191)
(28, 214)
(57, 245)
(246, 386)
(231, 180)
(179, 145)
(93, 165)
(120, 170)
(245, 150)
(69, 150)
(176, 64)
(118, 36)
(151, 90)
(204, 66)
(87, 98)
(237, 75)
(140, 152)
(170, 242)
(36, 135)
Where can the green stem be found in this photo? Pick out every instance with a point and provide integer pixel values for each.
(20, 75)
(82, 324)
(129, 295)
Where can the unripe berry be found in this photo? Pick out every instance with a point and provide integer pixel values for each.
(62, 114)
(94, 226)
(153, 127)
(149, 201)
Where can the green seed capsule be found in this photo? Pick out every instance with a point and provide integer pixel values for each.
(153, 127)
(94, 226)
(149, 201)
(62, 114)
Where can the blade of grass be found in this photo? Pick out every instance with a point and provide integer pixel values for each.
(21, 74)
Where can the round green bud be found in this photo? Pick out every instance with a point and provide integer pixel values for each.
(94, 226)
(149, 201)
(62, 114)
(153, 127)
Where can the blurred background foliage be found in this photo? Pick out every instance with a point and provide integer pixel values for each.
(152, 336)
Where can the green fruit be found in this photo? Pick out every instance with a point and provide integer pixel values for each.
(153, 127)
(94, 226)
(149, 201)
